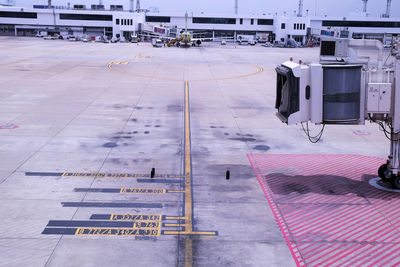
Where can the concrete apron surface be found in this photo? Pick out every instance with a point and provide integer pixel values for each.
(117, 154)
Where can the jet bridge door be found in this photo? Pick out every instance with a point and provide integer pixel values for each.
(287, 93)
(341, 94)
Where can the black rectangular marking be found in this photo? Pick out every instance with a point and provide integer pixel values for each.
(98, 190)
(59, 231)
(43, 173)
(101, 175)
(100, 217)
(166, 181)
(111, 205)
(66, 223)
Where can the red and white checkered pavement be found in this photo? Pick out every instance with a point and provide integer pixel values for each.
(328, 212)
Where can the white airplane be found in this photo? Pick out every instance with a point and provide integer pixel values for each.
(186, 38)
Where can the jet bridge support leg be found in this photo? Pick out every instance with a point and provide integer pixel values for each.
(391, 170)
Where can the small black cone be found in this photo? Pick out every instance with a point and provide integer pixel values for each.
(228, 174)
(153, 172)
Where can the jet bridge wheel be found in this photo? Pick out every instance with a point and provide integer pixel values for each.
(395, 181)
(381, 172)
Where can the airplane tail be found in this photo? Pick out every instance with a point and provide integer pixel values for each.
(186, 21)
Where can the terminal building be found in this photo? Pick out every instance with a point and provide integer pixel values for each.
(115, 22)
(27, 22)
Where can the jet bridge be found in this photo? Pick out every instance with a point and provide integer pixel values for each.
(343, 88)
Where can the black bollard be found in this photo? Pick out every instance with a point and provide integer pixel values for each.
(153, 172)
(228, 174)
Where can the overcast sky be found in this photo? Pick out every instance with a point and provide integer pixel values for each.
(319, 7)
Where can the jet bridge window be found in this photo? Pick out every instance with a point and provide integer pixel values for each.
(287, 92)
(328, 48)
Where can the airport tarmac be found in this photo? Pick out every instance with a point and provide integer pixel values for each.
(85, 126)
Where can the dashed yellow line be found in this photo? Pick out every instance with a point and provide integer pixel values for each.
(141, 56)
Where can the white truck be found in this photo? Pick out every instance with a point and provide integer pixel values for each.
(156, 42)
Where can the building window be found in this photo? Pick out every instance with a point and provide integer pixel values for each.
(283, 26)
(241, 21)
(304, 26)
(252, 21)
(117, 21)
(117, 7)
(265, 22)
(79, 7)
(131, 21)
(214, 20)
(86, 17)
(158, 19)
(294, 26)
(21, 15)
(364, 24)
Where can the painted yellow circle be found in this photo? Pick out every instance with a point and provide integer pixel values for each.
(110, 66)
